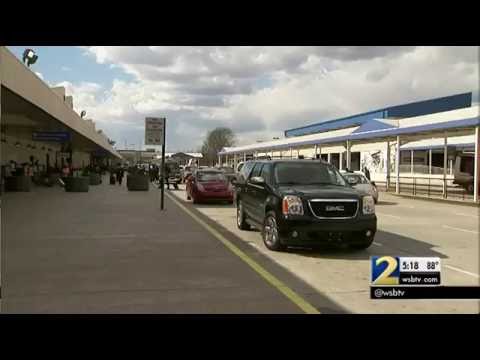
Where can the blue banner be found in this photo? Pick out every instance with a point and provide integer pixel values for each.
(57, 136)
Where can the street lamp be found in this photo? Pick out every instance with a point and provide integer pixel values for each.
(29, 57)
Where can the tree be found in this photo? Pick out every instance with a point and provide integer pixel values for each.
(215, 141)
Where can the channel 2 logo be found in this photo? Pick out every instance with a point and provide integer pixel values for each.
(385, 270)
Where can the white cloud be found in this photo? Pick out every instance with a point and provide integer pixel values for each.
(65, 68)
(261, 91)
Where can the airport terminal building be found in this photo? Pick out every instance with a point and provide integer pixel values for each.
(38, 122)
(409, 145)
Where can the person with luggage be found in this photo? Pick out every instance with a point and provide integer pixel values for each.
(112, 177)
(120, 173)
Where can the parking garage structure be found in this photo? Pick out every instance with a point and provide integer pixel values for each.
(426, 148)
(38, 122)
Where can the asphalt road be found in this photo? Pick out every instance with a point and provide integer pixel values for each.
(114, 251)
(406, 227)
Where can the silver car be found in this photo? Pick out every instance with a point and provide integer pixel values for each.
(360, 182)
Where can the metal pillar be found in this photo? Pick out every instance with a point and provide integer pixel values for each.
(235, 161)
(397, 166)
(291, 153)
(445, 157)
(244, 157)
(319, 151)
(387, 165)
(411, 162)
(340, 165)
(476, 173)
(329, 158)
(349, 155)
(316, 150)
(219, 160)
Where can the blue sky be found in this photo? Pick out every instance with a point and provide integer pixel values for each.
(69, 63)
(257, 91)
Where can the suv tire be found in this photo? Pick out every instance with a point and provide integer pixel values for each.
(241, 217)
(270, 235)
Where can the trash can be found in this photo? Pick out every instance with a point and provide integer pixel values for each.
(137, 182)
(77, 184)
(17, 183)
(95, 179)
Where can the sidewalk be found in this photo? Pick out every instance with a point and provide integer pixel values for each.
(114, 251)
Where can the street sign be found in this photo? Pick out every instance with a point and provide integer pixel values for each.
(154, 131)
(57, 136)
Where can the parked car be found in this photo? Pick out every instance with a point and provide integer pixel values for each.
(228, 171)
(303, 203)
(359, 181)
(209, 184)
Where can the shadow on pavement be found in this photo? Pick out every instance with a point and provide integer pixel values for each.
(386, 203)
(392, 244)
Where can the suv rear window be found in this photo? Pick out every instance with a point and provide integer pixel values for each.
(204, 176)
(307, 173)
(257, 170)
(246, 170)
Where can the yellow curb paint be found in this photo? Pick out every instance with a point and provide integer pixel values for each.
(271, 279)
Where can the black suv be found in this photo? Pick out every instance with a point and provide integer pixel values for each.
(303, 203)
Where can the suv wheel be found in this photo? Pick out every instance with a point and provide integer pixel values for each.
(241, 223)
(270, 235)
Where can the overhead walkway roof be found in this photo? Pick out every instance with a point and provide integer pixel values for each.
(454, 121)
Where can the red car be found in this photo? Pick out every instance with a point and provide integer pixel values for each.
(209, 184)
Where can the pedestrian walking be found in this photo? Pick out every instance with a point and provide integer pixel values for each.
(120, 173)
(167, 175)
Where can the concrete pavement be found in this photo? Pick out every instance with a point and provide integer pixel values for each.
(406, 227)
(114, 251)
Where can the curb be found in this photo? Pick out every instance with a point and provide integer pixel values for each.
(456, 202)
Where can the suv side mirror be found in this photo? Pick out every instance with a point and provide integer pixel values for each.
(257, 180)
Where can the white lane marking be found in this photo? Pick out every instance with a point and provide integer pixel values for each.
(460, 229)
(462, 271)
(469, 215)
(392, 216)
(378, 244)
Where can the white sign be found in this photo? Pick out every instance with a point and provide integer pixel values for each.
(154, 131)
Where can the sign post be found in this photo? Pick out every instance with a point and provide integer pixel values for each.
(155, 135)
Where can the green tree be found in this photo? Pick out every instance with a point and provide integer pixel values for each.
(215, 141)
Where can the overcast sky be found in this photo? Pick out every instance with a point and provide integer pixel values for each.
(257, 91)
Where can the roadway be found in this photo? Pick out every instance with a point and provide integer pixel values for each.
(406, 227)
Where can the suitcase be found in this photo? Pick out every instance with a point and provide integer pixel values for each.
(112, 179)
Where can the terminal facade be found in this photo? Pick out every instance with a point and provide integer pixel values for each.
(432, 141)
(39, 123)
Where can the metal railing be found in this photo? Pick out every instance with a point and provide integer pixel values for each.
(427, 187)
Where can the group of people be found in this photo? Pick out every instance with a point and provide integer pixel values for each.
(117, 174)
(154, 173)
